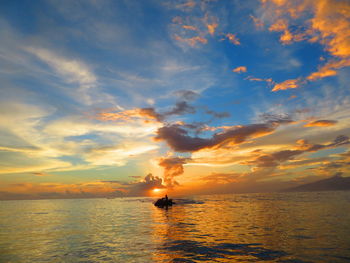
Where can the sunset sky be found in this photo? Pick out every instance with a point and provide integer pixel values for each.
(111, 98)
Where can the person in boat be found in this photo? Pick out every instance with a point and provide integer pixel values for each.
(164, 202)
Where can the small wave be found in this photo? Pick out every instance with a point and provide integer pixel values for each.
(301, 237)
(187, 201)
(193, 250)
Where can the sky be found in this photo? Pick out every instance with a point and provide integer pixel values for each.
(118, 98)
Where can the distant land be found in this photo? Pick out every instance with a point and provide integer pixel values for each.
(330, 184)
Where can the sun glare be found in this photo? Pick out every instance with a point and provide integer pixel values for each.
(156, 190)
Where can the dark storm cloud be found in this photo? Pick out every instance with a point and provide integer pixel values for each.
(179, 139)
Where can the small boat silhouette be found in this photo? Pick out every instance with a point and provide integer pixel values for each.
(164, 202)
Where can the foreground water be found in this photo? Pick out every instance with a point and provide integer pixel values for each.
(283, 227)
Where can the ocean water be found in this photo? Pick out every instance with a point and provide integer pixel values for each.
(280, 227)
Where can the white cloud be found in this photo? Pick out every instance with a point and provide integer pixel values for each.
(70, 69)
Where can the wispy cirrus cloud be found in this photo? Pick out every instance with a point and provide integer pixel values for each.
(71, 70)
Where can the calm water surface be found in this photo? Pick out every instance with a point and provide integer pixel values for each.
(283, 227)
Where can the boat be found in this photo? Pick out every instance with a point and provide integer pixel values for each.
(164, 202)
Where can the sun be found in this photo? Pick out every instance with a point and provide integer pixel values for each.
(157, 190)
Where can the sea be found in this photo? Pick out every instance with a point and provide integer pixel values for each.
(269, 227)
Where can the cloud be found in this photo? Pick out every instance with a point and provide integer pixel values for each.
(94, 189)
(78, 126)
(321, 123)
(195, 28)
(233, 39)
(179, 140)
(192, 41)
(72, 70)
(326, 22)
(138, 188)
(218, 115)
(187, 5)
(240, 69)
(288, 84)
(180, 108)
(173, 166)
(114, 114)
(186, 95)
(276, 158)
(329, 69)
(212, 28)
(141, 187)
(41, 174)
(276, 118)
(257, 22)
(221, 178)
(251, 78)
(190, 27)
(117, 155)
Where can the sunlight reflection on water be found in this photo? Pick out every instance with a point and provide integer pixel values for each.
(293, 227)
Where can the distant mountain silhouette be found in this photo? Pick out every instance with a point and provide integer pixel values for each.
(333, 183)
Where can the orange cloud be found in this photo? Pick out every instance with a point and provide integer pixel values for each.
(192, 41)
(41, 174)
(221, 178)
(287, 37)
(257, 22)
(332, 21)
(93, 189)
(329, 25)
(251, 78)
(287, 84)
(240, 69)
(212, 28)
(275, 159)
(190, 27)
(329, 69)
(233, 39)
(190, 4)
(127, 115)
(321, 123)
(173, 166)
(279, 25)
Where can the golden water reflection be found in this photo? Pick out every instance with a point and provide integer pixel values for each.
(254, 227)
(304, 227)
